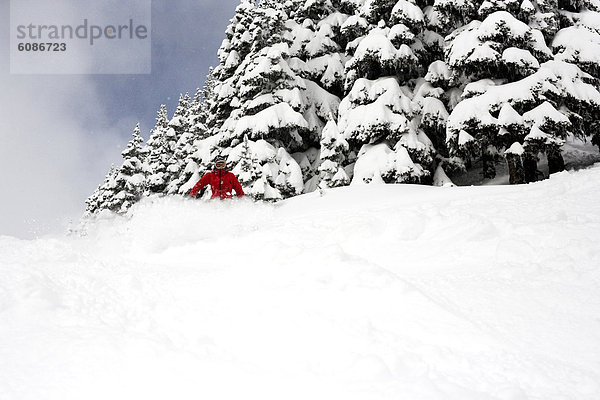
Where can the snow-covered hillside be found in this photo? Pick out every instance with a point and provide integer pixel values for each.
(363, 292)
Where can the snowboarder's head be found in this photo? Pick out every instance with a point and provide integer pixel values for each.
(220, 163)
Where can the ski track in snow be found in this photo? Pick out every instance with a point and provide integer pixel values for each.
(366, 292)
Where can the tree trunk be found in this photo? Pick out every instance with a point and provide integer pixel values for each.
(529, 167)
(596, 139)
(515, 169)
(556, 163)
(489, 169)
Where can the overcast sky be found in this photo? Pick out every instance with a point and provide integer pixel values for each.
(60, 133)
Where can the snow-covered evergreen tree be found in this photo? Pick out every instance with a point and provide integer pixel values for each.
(97, 200)
(103, 197)
(333, 147)
(270, 95)
(547, 107)
(578, 42)
(123, 186)
(248, 169)
(257, 166)
(508, 54)
(180, 142)
(181, 118)
(131, 180)
(160, 150)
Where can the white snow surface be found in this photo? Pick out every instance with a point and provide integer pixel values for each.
(515, 148)
(278, 116)
(361, 292)
(520, 57)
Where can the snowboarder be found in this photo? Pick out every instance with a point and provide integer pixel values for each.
(221, 182)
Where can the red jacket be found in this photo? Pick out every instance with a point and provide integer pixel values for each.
(221, 183)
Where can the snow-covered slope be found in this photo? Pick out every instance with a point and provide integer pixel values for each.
(364, 292)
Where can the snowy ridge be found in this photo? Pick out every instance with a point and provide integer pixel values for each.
(366, 292)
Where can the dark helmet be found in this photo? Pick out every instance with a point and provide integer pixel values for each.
(220, 162)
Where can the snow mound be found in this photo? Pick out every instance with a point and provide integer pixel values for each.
(361, 292)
